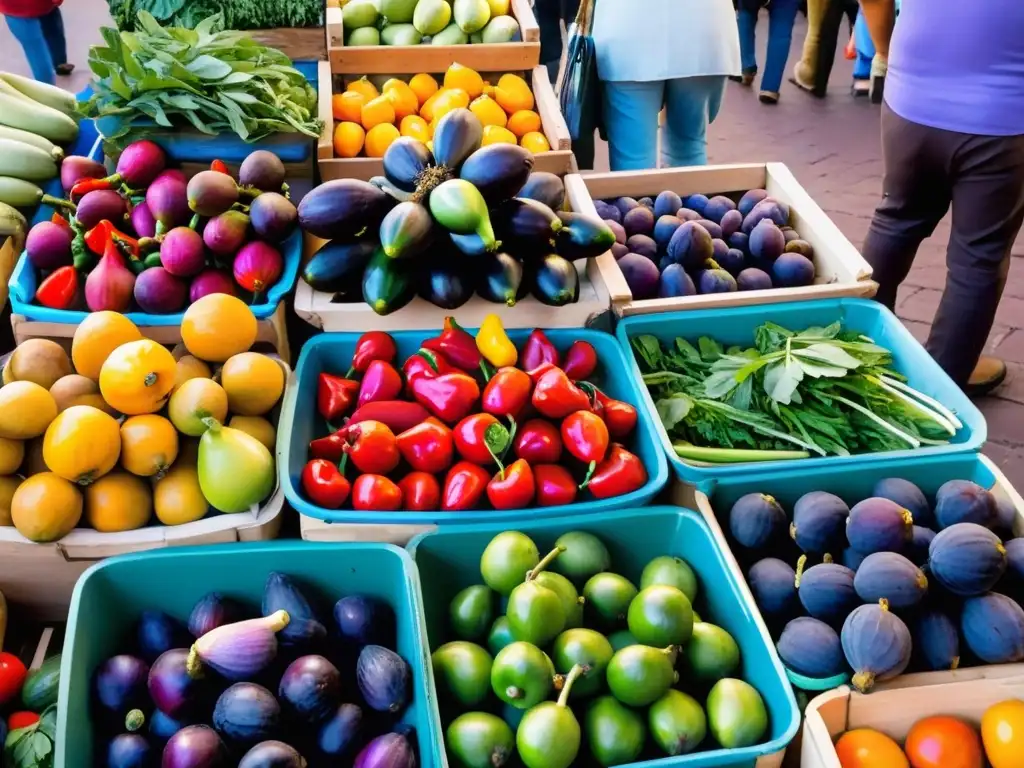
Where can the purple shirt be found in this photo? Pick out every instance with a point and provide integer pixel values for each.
(959, 65)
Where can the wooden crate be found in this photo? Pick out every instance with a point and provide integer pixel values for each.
(558, 161)
(8, 256)
(380, 60)
(319, 310)
(298, 44)
(840, 269)
(313, 529)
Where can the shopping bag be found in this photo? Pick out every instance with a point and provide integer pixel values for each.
(579, 92)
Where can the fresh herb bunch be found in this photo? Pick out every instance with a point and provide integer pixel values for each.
(238, 14)
(820, 391)
(217, 81)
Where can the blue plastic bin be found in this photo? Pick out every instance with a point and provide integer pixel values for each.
(332, 353)
(111, 595)
(736, 325)
(449, 560)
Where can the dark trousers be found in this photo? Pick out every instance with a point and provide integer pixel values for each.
(831, 25)
(550, 14)
(926, 170)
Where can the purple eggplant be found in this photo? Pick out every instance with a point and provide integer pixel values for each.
(364, 621)
(167, 200)
(158, 633)
(49, 246)
(310, 688)
(211, 193)
(383, 678)
(392, 750)
(211, 281)
(173, 690)
(142, 220)
(159, 292)
(182, 253)
(272, 754)
(226, 233)
(120, 684)
(304, 629)
(195, 746)
(262, 170)
(273, 216)
(214, 610)
(75, 168)
(101, 204)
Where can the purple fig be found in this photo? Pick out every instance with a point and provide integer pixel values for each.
(168, 202)
(225, 234)
(49, 246)
(74, 168)
(159, 292)
(110, 284)
(173, 691)
(273, 217)
(139, 164)
(101, 204)
(172, 173)
(142, 220)
(211, 281)
(257, 267)
(211, 193)
(195, 746)
(120, 683)
(182, 253)
(238, 651)
(262, 170)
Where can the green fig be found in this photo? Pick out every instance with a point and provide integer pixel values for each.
(535, 613)
(522, 675)
(608, 596)
(660, 616)
(236, 471)
(463, 672)
(586, 647)
(584, 556)
(500, 635)
(639, 675)
(711, 654)
(549, 734)
(615, 733)
(472, 612)
(677, 723)
(506, 560)
(736, 714)
(480, 740)
(671, 572)
(562, 587)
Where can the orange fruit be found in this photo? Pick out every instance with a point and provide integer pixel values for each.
(365, 87)
(424, 86)
(402, 98)
(118, 502)
(513, 93)
(943, 742)
(377, 111)
(455, 98)
(217, 327)
(536, 142)
(138, 376)
(96, 337)
(523, 122)
(427, 107)
(379, 138)
(495, 134)
(865, 748)
(348, 139)
(487, 111)
(347, 106)
(1002, 732)
(415, 127)
(465, 79)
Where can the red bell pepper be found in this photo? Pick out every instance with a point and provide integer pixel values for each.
(449, 397)
(23, 719)
(585, 436)
(507, 393)
(512, 487)
(539, 349)
(539, 442)
(331, 447)
(420, 492)
(373, 345)
(375, 493)
(325, 484)
(372, 447)
(427, 447)
(457, 345)
(335, 395)
(380, 382)
(471, 438)
(580, 360)
(12, 676)
(425, 362)
(556, 397)
(220, 167)
(58, 218)
(619, 416)
(555, 485)
(397, 414)
(464, 486)
(59, 289)
(535, 374)
(621, 472)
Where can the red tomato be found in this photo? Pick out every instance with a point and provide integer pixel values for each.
(865, 748)
(943, 742)
(21, 720)
(12, 675)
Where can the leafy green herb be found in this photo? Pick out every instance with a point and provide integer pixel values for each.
(215, 81)
(33, 746)
(238, 14)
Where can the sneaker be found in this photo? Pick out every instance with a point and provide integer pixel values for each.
(879, 69)
(860, 87)
(988, 374)
(65, 69)
(768, 97)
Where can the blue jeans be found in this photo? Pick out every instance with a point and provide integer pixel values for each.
(43, 41)
(781, 16)
(865, 49)
(630, 114)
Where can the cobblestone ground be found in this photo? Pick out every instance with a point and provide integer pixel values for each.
(832, 146)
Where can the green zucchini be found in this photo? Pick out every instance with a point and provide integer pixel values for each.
(39, 690)
(19, 193)
(44, 93)
(23, 161)
(27, 137)
(37, 118)
(388, 284)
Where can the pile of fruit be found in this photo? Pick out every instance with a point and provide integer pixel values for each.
(942, 742)
(893, 581)
(437, 22)
(574, 630)
(65, 457)
(673, 247)
(461, 426)
(449, 221)
(226, 689)
(368, 120)
(147, 238)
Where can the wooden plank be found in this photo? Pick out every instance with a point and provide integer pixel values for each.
(683, 181)
(299, 44)
(528, 26)
(550, 111)
(325, 110)
(334, 27)
(607, 272)
(313, 529)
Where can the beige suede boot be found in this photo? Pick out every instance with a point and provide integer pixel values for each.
(804, 70)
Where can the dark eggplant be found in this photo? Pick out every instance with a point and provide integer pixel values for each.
(212, 611)
(310, 688)
(383, 678)
(364, 621)
(499, 171)
(405, 160)
(457, 135)
(388, 284)
(120, 684)
(172, 690)
(499, 278)
(545, 188)
(343, 208)
(583, 237)
(130, 750)
(158, 632)
(304, 629)
(407, 230)
(246, 714)
(272, 754)
(341, 733)
(273, 217)
(471, 245)
(195, 746)
(392, 750)
(446, 282)
(525, 224)
(337, 264)
(554, 281)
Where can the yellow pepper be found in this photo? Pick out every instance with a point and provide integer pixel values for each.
(494, 344)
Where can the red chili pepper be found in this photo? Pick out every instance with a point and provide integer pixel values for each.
(397, 414)
(420, 492)
(19, 720)
(85, 186)
(324, 484)
(372, 447)
(335, 395)
(427, 447)
(59, 288)
(457, 345)
(621, 472)
(535, 374)
(585, 436)
(58, 219)
(380, 382)
(619, 416)
(376, 493)
(425, 362)
(470, 438)
(507, 393)
(556, 397)
(539, 349)
(373, 345)
(12, 676)
(464, 486)
(580, 360)
(449, 397)
(512, 487)
(105, 232)
(220, 167)
(555, 485)
(539, 442)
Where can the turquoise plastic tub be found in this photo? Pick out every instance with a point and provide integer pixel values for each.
(736, 325)
(111, 595)
(449, 560)
(332, 352)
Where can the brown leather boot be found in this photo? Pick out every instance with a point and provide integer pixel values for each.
(988, 374)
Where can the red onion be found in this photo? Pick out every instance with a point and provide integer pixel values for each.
(392, 750)
(168, 202)
(225, 234)
(172, 173)
(74, 168)
(211, 281)
(257, 267)
(182, 253)
(49, 245)
(110, 284)
(159, 292)
(139, 164)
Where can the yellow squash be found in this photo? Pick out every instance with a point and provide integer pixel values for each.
(82, 444)
(46, 507)
(118, 502)
(149, 445)
(138, 377)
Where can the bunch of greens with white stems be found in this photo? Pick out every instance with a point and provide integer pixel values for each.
(818, 392)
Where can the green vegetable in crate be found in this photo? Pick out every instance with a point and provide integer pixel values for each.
(238, 14)
(236, 470)
(480, 740)
(615, 732)
(463, 672)
(736, 714)
(33, 746)
(639, 675)
(522, 675)
(535, 613)
(506, 560)
(549, 734)
(678, 724)
(472, 612)
(40, 688)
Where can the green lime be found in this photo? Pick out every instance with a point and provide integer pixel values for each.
(463, 672)
(711, 653)
(639, 675)
(522, 675)
(549, 734)
(736, 714)
(471, 612)
(621, 639)
(585, 647)
(500, 635)
(506, 559)
(535, 613)
(584, 555)
(608, 596)
(677, 723)
(615, 732)
(670, 572)
(661, 616)
(480, 740)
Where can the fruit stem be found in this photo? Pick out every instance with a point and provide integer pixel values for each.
(211, 423)
(863, 681)
(514, 692)
(574, 673)
(150, 380)
(544, 563)
(193, 664)
(800, 563)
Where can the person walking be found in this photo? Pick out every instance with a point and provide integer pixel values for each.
(38, 26)
(781, 17)
(674, 54)
(824, 23)
(952, 136)
(551, 15)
